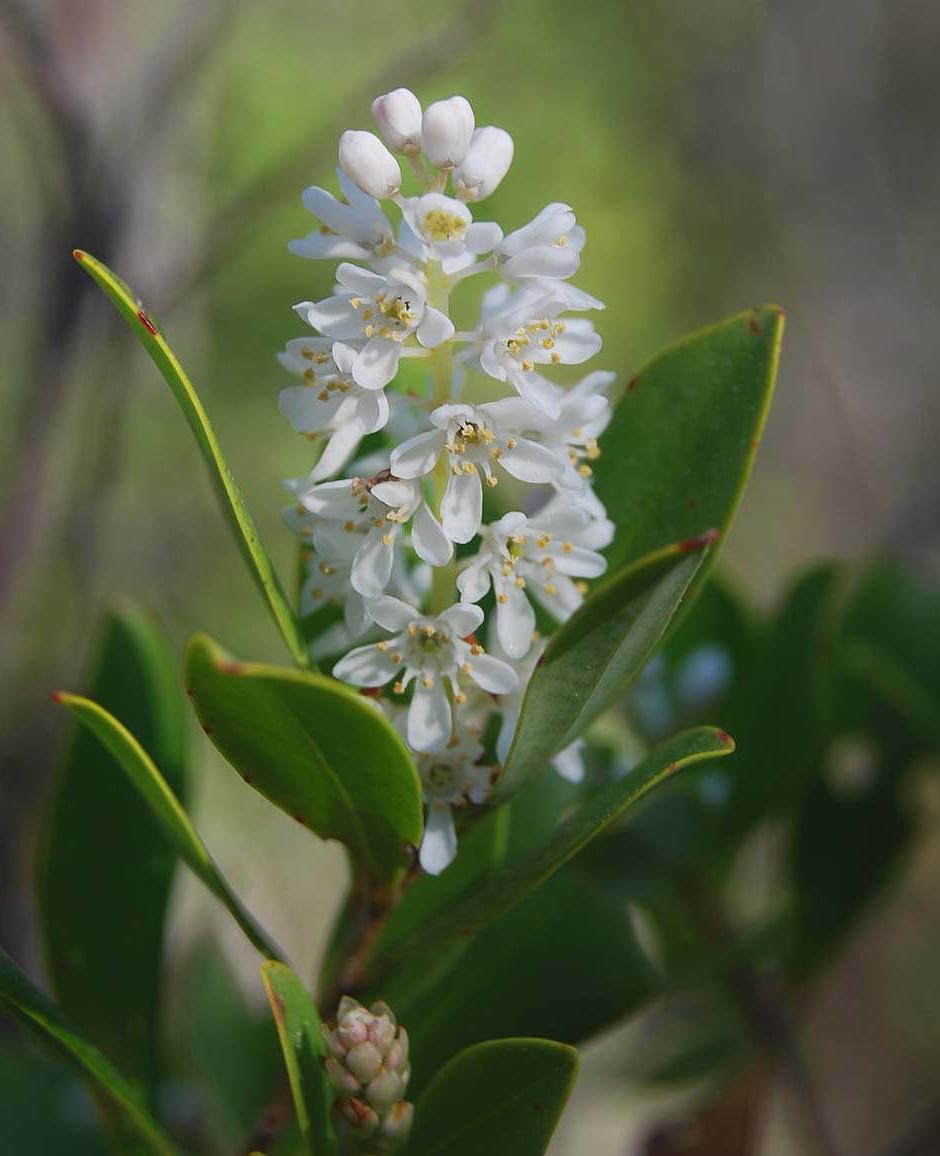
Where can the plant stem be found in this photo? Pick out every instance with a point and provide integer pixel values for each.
(442, 373)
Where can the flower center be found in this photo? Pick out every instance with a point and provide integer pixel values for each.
(440, 225)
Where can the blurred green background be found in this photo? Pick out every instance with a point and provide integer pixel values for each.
(720, 153)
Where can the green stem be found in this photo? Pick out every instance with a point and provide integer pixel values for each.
(442, 372)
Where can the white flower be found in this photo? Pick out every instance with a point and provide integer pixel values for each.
(583, 414)
(452, 778)
(398, 116)
(446, 130)
(476, 438)
(360, 521)
(357, 229)
(526, 332)
(539, 557)
(548, 246)
(430, 650)
(486, 163)
(329, 400)
(367, 161)
(447, 230)
(381, 312)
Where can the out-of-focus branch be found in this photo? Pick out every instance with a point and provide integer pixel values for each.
(922, 1139)
(234, 220)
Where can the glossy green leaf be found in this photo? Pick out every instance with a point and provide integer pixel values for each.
(678, 452)
(105, 867)
(166, 808)
(303, 1046)
(598, 652)
(27, 1003)
(314, 748)
(502, 1098)
(233, 505)
(565, 964)
(497, 896)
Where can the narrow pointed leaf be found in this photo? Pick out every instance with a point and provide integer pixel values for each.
(680, 448)
(233, 505)
(503, 1097)
(298, 1028)
(504, 889)
(32, 1008)
(314, 748)
(599, 651)
(105, 869)
(167, 809)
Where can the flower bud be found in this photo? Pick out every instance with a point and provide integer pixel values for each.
(368, 1067)
(486, 163)
(398, 115)
(365, 160)
(446, 130)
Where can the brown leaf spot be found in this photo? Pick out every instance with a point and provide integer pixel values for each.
(208, 730)
(301, 820)
(633, 383)
(146, 322)
(724, 738)
(753, 324)
(709, 538)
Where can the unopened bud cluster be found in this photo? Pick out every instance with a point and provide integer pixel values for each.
(487, 455)
(368, 1067)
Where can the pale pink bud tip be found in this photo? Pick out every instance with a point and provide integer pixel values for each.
(398, 116)
(486, 163)
(446, 130)
(365, 160)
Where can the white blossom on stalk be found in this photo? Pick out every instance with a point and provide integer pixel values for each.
(476, 438)
(446, 130)
(361, 520)
(365, 160)
(429, 650)
(398, 116)
(354, 229)
(330, 400)
(486, 163)
(545, 557)
(471, 403)
(381, 312)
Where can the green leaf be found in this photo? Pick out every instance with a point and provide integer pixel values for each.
(28, 1004)
(166, 808)
(105, 867)
(503, 1098)
(233, 505)
(298, 1028)
(565, 963)
(678, 452)
(504, 889)
(598, 652)
(314, 748)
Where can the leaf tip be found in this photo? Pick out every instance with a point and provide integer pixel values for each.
(699, 542)
(79, 255)
(726, 740)
(58, 696)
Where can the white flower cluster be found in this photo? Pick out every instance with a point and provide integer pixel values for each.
(374, 533)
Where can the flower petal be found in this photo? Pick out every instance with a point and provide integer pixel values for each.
(435, 328)
(463, 618)
(429, 723)
(377, 363)
(418, 455)
(392, 613)
(462, 506)
(366, 666)
(515, 619)
(430, 542)
(492, 674)
(530, 462)
(569, 763)
(372, 567)
(339, 449)
(439, 845)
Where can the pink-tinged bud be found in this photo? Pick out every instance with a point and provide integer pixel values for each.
(365, 160)
(359, 1116)
(486, 163)
(398, 115)
(446, 130)
(365, 1062)
(382, 1033)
